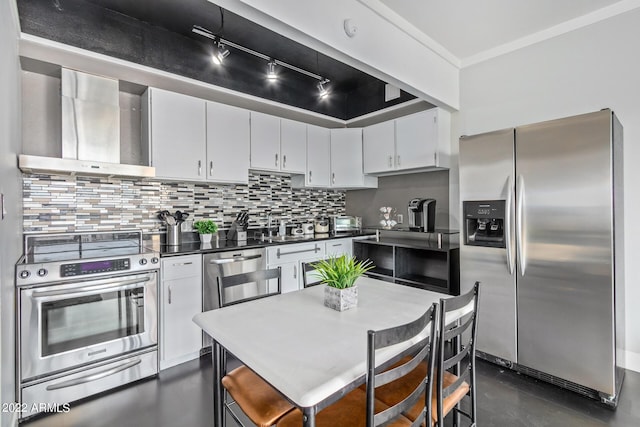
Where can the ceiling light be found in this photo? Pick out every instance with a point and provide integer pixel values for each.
(323, 91)
(271, 71)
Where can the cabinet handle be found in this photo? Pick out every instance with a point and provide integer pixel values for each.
(276, 159)
(211, 167)
(169, 292)
(333, 178)
(295, 271)
(337, 244)
(178, 264)
(390, 161)
(199, 167)
(435, 159)
(310, 176)
(398, 161)
(284, 160)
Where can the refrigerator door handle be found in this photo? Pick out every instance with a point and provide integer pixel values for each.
(509, 221)
(521, 256)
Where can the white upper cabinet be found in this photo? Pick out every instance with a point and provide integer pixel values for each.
(346, 160)
(174, 125)
(293, 146)
(318, 157)
(227, 143)
(278, 144)
(379, 147)
(265, 142)
(420, 142)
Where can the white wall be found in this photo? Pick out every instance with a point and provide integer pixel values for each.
(10, 227)
(585, 70)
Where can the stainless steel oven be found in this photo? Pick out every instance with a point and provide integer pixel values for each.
(87, 315)
(67, 325)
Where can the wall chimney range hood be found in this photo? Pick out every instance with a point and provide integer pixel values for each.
(90, 131)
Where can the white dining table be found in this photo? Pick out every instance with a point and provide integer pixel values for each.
(310, 353)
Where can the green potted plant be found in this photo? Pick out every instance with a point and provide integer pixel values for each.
(340, 274)
(206, 228)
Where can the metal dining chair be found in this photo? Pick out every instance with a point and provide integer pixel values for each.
(458, 321)
(260, 402)
(363, 407)
(308, 278)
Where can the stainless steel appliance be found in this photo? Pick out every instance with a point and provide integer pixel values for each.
(346, 223)
(543, 233)
(226, 264)
(422, 215)
(87, 315)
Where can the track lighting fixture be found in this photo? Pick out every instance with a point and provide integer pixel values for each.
(322, 90)
(271, 71)
(221, 52)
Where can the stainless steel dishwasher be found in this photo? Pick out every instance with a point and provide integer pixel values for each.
(226, 264)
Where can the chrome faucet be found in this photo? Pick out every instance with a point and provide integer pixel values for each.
(269, 225)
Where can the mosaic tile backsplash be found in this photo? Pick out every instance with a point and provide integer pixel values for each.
(55, 203)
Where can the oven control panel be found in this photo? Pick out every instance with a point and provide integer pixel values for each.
(94, 267)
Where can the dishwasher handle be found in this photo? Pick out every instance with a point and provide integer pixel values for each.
(234, 259)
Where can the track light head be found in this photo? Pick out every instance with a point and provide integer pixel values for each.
(220, 52)
(271, 71)
(323, 92)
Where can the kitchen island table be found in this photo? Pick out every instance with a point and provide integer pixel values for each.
(311, 354)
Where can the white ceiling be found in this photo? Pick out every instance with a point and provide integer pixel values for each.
(467, 28)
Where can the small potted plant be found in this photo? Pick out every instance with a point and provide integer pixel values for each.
(340, 274)
(206, 228)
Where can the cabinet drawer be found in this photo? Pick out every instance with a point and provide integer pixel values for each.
(338, 247)
(287, 253)
(181, 266)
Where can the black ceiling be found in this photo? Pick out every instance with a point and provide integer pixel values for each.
(157, 33)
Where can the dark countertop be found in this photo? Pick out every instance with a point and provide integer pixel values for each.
(430, 244)
(221, 245)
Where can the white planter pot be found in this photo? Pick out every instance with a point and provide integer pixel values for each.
(341, 299)
(205, 238)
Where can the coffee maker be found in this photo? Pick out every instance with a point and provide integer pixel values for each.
(422, 215)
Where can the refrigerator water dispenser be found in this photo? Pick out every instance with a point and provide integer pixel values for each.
(484, 223)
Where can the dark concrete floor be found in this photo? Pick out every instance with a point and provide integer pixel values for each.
(181, 396)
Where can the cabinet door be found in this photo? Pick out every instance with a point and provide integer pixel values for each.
(177, 135)
(346, 158)
(228, 140)
(417, 140)
(290, 272)
(182, 299)
(265, 142)
(318, 157)
(378, 146)
(293, 146)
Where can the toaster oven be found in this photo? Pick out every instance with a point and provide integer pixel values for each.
(346, 223)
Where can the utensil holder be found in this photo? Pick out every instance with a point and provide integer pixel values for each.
(173, 235)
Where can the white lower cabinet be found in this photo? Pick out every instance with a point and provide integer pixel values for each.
(290, 258)
(181, 299)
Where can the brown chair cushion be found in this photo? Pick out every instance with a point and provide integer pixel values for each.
(394, 392)
(258, 400)
(350, 411)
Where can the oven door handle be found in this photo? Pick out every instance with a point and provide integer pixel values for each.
(118, 284)
(94, 377)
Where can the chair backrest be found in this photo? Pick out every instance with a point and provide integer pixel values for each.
(308, 278)
(259, 276)
(458, 316)
(425, 328)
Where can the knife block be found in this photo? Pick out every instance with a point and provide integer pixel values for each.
(236, 232)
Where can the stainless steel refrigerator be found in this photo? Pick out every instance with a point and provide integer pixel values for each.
(542, 212)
